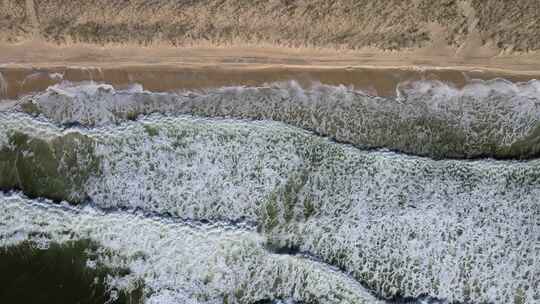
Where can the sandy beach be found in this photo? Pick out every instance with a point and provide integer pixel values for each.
(169, 45)
(33, 66)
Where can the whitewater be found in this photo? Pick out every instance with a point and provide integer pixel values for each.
(284, 193)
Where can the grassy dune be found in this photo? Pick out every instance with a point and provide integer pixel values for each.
(341, 24)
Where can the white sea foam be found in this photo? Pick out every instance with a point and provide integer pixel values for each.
(56, 76)
(458, 230)
(4, 140)
(427, 118)
(180, 263)
(90, 103)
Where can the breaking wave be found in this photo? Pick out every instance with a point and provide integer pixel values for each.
(495, 118)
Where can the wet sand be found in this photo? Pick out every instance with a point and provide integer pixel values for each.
(33, 67)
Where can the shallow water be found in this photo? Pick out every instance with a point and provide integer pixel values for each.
(58, 273)
(284, 193)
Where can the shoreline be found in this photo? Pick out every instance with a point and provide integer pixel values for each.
(30, 67)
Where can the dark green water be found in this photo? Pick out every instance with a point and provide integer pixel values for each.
(56, 275)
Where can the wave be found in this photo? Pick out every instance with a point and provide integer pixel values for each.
(403, 226)
(495, 118)
(179, 263)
